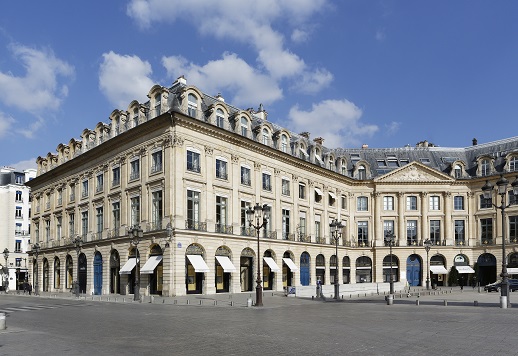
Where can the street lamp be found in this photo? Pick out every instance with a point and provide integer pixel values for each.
(6, 269)
(487, 190)
(427, 245)
(78, 243)
(36, 249)
(336, 231)
(389, 240)
(261, 215)
(137, 233)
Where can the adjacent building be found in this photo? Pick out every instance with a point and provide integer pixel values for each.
(15, 213)
(185, 166)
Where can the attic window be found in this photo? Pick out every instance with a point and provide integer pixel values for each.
(403, 161)
(381, 163)
(393, 163)
(425, 160)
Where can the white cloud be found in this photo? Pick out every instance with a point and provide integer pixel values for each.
(392, 128)
(299, 36)
(380, 35)
(5, 124)
(228, 74)
(337, 121)
(247, 21)
(313, 82)
(123, 78)
(42, 81)
(25, 164)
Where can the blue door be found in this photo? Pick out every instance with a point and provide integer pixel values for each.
(413, 270)
(98, 273)
(304, 269)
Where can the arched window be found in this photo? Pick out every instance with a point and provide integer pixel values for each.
(485, 167)
(343, 167)
(284, 144)
(135, 117)
(220, 118)
(244, 126)
(458, 171)
(362, 172)
(192, 105)
(158, 104)
(265, 137)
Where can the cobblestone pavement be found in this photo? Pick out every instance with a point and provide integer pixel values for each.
(285, 326)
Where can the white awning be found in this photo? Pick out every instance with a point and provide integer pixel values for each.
(465, 269)
(150, 265)
(128, 266)
(438, 269)
(198, 263)
(512, 270)
(290, 264)
(332, 195)
(270, 262)
(226, 263)
(318, 191)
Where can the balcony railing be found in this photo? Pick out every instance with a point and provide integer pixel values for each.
(269, 234)
(195, 225)
(224, 229)
(320, 240)
(288, 236)
(247, 231)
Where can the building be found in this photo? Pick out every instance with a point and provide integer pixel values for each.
(185, 166)
(15, 214)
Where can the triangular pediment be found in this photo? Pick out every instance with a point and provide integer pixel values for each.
(413, 173)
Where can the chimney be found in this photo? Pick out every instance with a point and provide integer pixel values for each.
(180, 80)
(304, 134)
(220, 98)
(475, 142)
(365, 146)
(319, 140)
(261, 113)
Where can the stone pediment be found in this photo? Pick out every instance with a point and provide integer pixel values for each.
(413, 173)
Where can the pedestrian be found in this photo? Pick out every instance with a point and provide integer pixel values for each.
(30, 288)
(25, 287)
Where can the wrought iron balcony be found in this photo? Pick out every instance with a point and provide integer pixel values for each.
(195, 225)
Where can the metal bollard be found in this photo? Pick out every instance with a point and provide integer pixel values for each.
(232, 303)
(201, 302)
(188, 301)
(215, 302)
(3, 325)
(249, 302)
(445, 302)
(417, 302)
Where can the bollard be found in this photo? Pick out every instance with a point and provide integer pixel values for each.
(201, 302)
(188, 301)
(215, 302)
(417, 302)
(3, 325)
(390, 299)
(175, 301)
(475, 303)
(163, 301)
(232, 303)
(249, 302)
(445, 303)
(123, 300)
(115, 299)
(312, 297)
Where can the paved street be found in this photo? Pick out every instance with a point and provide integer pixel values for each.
(285, 326)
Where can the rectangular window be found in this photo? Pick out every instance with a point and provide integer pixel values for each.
(18, 212)
(285, 187)
(458, 202)
(156, 210)
(156, 161)
(362, 204)
(302, 224)
(59, 223)
(18, 229)
(411, 232)
(18, 246)
(513, 229)
(363, 233)
(332, 199)
(84, 190)
(245, 176)
(99, 217)
(485, 203)
(302, 191)
(71, 225)
(245, 229)
(116, 214)
(486, 231)
(18, 196)
(435, 232)
(116, 176)
(388, 203)
(512, 199)
(434, 203)
(459, 232)
(317, 228)
(99, 183)
(135, 169)
(60, 197)
(221, 214)
(193, 161)
(18, 262)
(193, 210)
(135, 211)
(47, 230)
(267, 182)
(285, 224)
(388, 227)
(344, 202)
(84, 224)
(411, 203)
(72, 192)
(221, 169)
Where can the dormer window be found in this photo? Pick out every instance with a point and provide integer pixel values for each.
(135, 117)
(284, 143)
(485, 168)
(265, 136)
(303, 154)
(158, 104)
(458, 171)
(343, 167)
(362, 172)
(220, 118)
(244, 126)
(513, 164)
(192, 105)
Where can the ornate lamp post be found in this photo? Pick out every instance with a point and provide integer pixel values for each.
(261, 215)
(336, 231)
(137, 233)
(427, 245)
(36, 251)
(487, 191)
(6, 269)
(389, 240)
(78, 243)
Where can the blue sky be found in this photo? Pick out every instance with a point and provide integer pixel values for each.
(384, 73)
